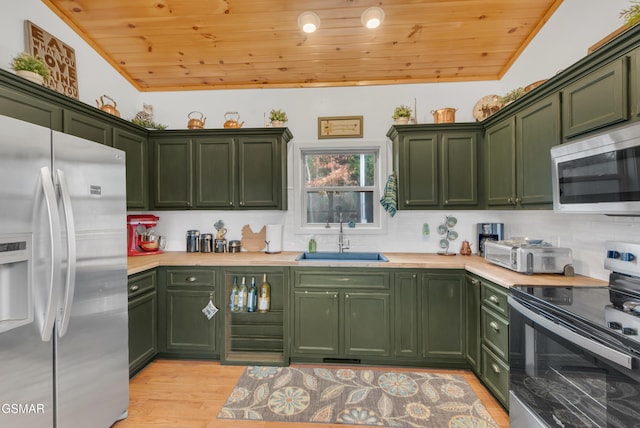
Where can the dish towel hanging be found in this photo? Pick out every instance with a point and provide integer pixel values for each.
(389, 200)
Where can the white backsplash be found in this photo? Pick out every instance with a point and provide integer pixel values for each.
(584, 234)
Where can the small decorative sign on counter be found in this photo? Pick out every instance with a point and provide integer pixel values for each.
(59, 57)
(340, 127)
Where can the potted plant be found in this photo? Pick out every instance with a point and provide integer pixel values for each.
(511, 96)
(631, 15)
(402, 114)
(31, 68)
(278, 118)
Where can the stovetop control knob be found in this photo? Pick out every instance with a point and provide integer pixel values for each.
(627, 257)
(630, 331)
(615, 325)
(613, 254)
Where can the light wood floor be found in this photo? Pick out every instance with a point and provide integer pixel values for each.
(189, 394)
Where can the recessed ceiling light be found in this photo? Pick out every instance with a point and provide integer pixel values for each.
(372, 17)
(308, 22)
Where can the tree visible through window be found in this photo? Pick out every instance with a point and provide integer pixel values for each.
(339, 182)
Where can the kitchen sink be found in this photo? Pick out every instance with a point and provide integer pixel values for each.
(334, 256)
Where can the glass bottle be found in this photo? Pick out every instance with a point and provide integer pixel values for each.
(233, 300)
(242, 296)
(264, 295)
(252, 296)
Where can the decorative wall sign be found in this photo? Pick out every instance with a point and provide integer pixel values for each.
(59, 57)
(340, 127)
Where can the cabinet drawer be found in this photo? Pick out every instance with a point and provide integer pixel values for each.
(191, 277)
(495, 333)
(141, 283)
(495, 374)
(336, 278)
(495, 297)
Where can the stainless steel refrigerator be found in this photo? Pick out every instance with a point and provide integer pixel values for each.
(63, 280)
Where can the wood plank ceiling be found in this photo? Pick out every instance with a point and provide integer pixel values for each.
(164, 45)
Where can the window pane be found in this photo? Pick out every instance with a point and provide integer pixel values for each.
(353, 169)
(325, 206)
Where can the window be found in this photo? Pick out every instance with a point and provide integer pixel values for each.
(339, 181)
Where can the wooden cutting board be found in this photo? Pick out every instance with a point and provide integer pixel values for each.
(254, 241)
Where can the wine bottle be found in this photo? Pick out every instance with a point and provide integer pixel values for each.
(264, 297)
(252, 296)
(242, 296)
(235, 291)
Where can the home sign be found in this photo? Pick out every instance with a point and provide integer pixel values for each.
(59, 57)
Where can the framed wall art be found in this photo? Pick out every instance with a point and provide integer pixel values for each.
(59, 57)
(340, 127)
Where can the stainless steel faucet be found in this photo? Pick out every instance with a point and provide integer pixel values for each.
(341, 245)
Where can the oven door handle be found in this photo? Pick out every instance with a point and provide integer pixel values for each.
(597, 348)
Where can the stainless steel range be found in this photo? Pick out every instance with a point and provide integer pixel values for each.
(575, 351)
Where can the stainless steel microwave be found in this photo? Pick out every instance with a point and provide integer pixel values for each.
(599, 174)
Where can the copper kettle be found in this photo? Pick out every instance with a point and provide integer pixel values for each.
(232, 118)
(465, 250)
(195, 123)
(111, 109)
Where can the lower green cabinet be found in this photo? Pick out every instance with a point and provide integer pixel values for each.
(473, 327)
(406, 325)
(143, 320)
(184, 329)
(341, 314)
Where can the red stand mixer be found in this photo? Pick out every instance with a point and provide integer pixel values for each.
(142, 239)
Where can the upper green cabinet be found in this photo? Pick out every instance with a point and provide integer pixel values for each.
(88, 127)
(436, 165)
(220, 169)
(596, 100)
(518, 160)
(134, 144)
(24, 106)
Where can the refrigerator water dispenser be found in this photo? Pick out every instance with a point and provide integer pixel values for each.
(15, 281)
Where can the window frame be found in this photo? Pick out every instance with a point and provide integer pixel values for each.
(299, 150)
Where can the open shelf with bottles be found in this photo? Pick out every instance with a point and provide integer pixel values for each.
(255, 337)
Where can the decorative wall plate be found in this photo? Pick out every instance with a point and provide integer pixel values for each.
(486, 106)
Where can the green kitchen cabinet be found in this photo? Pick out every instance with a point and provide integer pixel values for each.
(143, 320)
(29, 108)
(436, 165)
(443, 316)
(183, 329)
(220, 169)
(88, 127)
(134, 144)
(518, 160)
(316, 323)
(472, 321)
(254, 337)
(342, 313)
(634, 84)
(406, 315)
(596, 100)
(172, 173)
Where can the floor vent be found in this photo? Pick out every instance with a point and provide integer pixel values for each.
(341, 360)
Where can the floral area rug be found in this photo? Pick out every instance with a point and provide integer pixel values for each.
(356, 397)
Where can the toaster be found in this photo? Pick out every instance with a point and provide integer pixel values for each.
(525, 257)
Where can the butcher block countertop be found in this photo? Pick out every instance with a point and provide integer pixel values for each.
(473, 264)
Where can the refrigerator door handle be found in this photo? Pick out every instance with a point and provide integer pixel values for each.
(70, 283)
(50, 309)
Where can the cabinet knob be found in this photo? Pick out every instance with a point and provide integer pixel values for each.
(191, 279)
(446, 202)
(494, 299)
(335, 296)
(475, 282)
(495, 368)
(347, 296)
(414, 275)
(241, 203)
(510, 200)
(406, 202)
(134, 288)
(494, 325)
(518, 200)
(230, 203)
